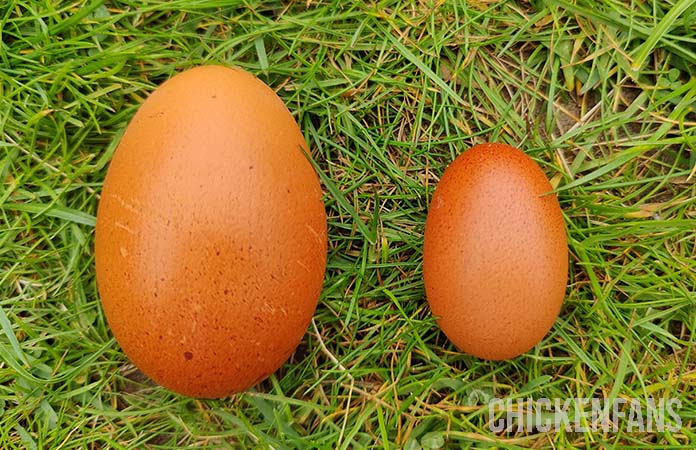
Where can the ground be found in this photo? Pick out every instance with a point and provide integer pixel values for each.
(600, 94)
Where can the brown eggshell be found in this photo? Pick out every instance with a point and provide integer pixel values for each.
(495, 255)
(211, 234)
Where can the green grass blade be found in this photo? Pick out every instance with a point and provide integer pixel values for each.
(664, 25)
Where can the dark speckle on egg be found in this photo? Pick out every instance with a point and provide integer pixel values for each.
(495, 256)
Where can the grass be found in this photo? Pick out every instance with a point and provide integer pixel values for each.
(601, 94)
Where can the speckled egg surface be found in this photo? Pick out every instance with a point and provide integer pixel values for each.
(211, 234)
(495, 256)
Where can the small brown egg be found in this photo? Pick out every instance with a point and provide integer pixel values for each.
(495, 256)
(211, 234)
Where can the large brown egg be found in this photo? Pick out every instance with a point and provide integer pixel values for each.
(495, 256)
(211, 234)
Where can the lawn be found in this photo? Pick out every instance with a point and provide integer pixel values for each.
(601, 94)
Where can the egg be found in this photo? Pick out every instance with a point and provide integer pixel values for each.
(495, 253)
(211, 236)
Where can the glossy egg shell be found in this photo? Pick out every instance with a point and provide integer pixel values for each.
(495, 255)
(211, 234)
